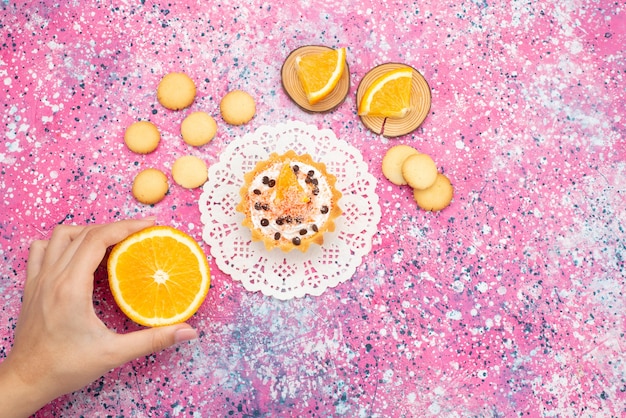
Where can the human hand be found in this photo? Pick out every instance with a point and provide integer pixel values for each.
(60, 344)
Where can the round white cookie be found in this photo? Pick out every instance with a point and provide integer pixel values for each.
(393, 160)
(142, 137)
(237, 107)
(198, 129)
(176, 91)
(190, 172)
(150, 186)
(419, 171)
(436, 197)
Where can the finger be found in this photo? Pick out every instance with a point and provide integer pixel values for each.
(36, 254)
(127, 347)
(95, 242)
(62, 237)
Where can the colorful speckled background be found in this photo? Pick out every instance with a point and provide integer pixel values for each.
(508, 303)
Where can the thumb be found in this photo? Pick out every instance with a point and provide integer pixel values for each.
(147, 341)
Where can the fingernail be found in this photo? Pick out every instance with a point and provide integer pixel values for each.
(185, 334)
(150, 218)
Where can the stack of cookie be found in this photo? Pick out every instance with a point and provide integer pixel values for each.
(403, 164)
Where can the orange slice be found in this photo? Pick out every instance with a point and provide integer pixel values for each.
(158, 276)
(389, 95)
(320, 72)
(287, 186)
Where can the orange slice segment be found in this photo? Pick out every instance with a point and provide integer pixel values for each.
(287, 186)
(319, 73)
(389, 95)
(158, 276)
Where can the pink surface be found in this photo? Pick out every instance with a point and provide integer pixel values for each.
(508, 303)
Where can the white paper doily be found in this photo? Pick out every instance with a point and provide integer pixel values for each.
(294, 274)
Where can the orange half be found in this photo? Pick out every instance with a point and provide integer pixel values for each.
(158, 276)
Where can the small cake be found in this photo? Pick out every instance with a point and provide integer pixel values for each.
(289, 201)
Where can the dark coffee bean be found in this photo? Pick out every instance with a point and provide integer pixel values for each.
(256, 191)
(296, 168)
(296, 241)
(324, 209)
(314, 228)
(316, 191)
(288, 219)
(314, 181)
(311, 173)
(280, 221)
(277, 236)
(271, 183)
(257, 206)
(265, 206)
(303, 231)
(264, 222)
(266, 179)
